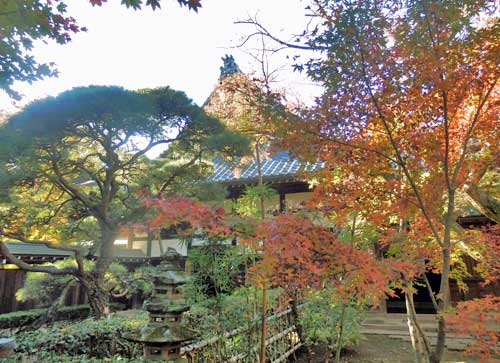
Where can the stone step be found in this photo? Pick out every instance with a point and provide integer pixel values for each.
(380, 331)
(399, 317)
(398, 327)
(452, 343)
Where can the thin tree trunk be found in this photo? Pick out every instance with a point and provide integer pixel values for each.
(444, 288)
(444, 303)
(262, 356)
(431, 293)
(296, 319)
(263, 332)
(328, 353)
(341, 331)
(414, 335)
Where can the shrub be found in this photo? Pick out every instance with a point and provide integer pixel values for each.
(223, 313)
(100, 338)
(320, 319)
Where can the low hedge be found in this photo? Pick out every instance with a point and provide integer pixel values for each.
(19, 319)
(50, 357)
(96, 338)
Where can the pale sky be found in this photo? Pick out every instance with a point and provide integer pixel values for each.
(171, 46)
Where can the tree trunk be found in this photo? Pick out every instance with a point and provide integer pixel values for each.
(94, 281)
(108, 237)
(296, 319)
(328, 353)
(444, 288)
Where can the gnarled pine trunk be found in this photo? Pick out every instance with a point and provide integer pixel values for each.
(94, 281)
(97, 295)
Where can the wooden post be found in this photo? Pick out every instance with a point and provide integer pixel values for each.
(282, 202)
(130, 240)
(149, 243)
(263, 332)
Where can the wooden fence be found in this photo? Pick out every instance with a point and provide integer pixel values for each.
(242, 345)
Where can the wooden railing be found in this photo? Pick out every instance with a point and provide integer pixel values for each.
(242, 344)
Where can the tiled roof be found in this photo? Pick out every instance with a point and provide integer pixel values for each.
(128, 253)
(277, 166)
(21, 249)
(35, 249)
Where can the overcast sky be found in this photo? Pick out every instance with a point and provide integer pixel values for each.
(171, 46)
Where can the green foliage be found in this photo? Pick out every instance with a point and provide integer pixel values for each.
(22, 22)
(248, 205)
(216, 315)
(140, 281)
(100, 338)
(20, 319)
(216, 268)
(320, 319)
(205, 192)
(88, 138)
(365, 235)
(74, 167)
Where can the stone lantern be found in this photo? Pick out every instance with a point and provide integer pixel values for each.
(7, 346)
(164, 336)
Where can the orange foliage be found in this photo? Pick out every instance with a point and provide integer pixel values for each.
(296, 253)
(478, 319)
(405, 119)
(189, 213)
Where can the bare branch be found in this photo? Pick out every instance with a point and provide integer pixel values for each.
(264, 32)
(431, 293)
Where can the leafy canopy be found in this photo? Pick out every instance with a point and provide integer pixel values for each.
(23, 22)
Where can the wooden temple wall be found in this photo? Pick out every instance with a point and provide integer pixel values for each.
(475, 284)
